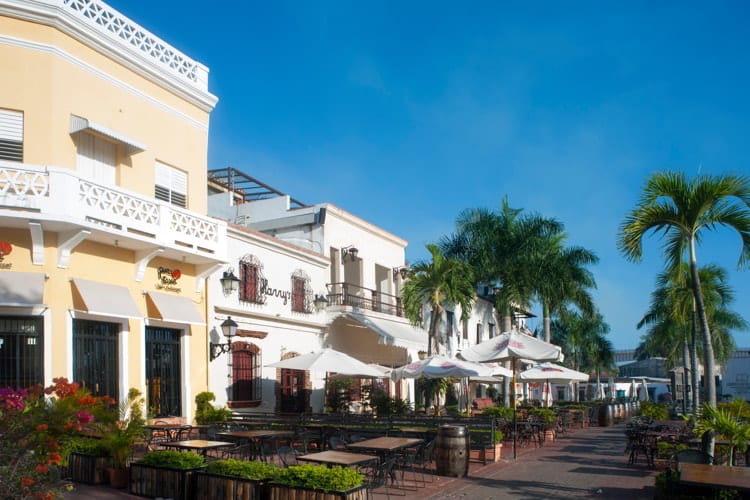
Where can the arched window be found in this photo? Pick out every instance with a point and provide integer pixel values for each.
(302, 294)
(252, 281)
(246, 374)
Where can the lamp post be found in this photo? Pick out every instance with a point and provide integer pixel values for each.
(229, 329)
(229, 282)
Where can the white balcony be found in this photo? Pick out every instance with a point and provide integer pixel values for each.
(61, 201)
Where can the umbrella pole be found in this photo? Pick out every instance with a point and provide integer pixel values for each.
(515, 421)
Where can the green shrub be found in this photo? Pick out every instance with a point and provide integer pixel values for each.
(173, 459)
(319, 477)
(665, 450)
(87, 446)
(206, 413)
(656, 411)
(498, 412)
(546, 415)
(479, 437)
(241, 468)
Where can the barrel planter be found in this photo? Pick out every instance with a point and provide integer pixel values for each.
(210, 486)
(452, 451)
(284, 492)
(88, 469)
(148, 481)
(605, 415)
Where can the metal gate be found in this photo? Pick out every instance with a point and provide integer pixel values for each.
(21, 351)
(95, 357)
(163, 372)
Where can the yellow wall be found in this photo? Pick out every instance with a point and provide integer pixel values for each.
(49, 88)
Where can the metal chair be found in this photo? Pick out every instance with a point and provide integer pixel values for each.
(379, 476)
(336, 443)
(287, 455)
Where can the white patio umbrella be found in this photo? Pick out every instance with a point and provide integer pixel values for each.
(498, 370)
(512, 345)
(633, 389)
(547, 398)
(552, 372)
(329, 360)
(643, 391)
(441, 367)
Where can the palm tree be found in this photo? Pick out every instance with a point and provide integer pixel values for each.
(442, 280)
(559, 278)
(683, 210)
(498, 246)
(671, 318)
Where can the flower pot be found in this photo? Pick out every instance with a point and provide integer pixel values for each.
(210, 486)
(118, 477)
(88, 469)
(148, 481)
(283, 492)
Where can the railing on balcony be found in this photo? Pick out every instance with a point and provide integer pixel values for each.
(348, 294)
(54, 192)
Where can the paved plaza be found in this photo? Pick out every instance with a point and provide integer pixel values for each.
(585, 463)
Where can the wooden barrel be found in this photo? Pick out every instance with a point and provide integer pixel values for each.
(605, 415)
(452, 451)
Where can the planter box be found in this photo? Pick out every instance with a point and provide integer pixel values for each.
(549, 435)
(87, 469)
(490, 453)
(281, 492)
(210, 486)
(153, 482)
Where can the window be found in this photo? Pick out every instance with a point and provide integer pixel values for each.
(21, 352)
(492, 330)
(163, 371)
(170, 185)
(466, 329)
(95, 356)
(96, 159)
(252, 281)
(449, 315)
(246, 374)
(479, 333)
(301, 292)
(11, 135)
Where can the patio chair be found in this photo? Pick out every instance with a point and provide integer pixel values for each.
(336, 443)
(379, 477)
(266, 450)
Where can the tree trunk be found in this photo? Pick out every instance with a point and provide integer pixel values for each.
(547, 323)
(432, 333)
(695, 369)
(708, 348)
(505, 326)
(685, 375)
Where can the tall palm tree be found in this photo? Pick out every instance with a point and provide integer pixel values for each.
(498, 245)
(435, 283)
(683, 210)
(559, 278)
(671, 318)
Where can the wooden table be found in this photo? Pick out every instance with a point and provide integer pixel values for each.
(720, 476)
(341, 458)
(199, 445)
(385, 444)
(256, 434)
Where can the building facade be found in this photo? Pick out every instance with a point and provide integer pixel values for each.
(104, 239)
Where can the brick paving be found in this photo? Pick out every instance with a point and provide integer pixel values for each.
(585, 463)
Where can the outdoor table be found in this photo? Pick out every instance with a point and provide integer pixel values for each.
(341, 458)
(170, 431)
(385, 445)
(721, 476)
(200, 445)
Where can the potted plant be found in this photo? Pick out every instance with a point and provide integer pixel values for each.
(120, 430)
(206, 413)
(726, 425)
(88, 460)
(309, 482)
(233, 479)
(165, 473)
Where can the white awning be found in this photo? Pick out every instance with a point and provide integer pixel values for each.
(80, 124)
(19, 289)
(105, 299)
(175, 309)
(393, 333)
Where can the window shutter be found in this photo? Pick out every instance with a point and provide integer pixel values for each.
(170, 185)
(11, 135)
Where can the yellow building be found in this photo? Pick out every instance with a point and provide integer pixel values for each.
(104, 242)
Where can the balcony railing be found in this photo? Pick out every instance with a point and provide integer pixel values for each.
(52, 193)
(348, 294)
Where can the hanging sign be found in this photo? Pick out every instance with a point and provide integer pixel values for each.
(5, 249)
(167, 279)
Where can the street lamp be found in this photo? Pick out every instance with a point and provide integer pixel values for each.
(229, 329)
(229, 282)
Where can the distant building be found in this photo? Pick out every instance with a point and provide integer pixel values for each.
(736, 380)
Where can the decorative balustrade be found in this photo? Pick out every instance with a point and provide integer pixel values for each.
(58, 193)
(348, 294)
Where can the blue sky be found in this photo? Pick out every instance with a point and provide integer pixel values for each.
(405, 113)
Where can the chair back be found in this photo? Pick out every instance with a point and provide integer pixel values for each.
(336, 443)
(689, 457)
(287, 455)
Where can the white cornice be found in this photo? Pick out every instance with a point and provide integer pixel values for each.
(363, 224)
(275, 245)
(58, 14)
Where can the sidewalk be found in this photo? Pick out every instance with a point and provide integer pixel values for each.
(586, 463)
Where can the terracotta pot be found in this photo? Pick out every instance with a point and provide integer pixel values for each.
(118, 478)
